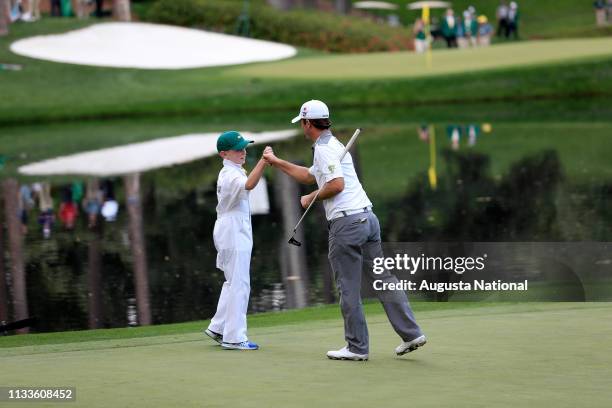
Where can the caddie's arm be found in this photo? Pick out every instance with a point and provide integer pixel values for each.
(255, 175)
(297, 172)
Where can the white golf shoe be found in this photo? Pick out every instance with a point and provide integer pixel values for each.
(408, 346)
(345, 354)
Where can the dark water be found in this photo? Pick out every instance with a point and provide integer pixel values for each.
(539, 197)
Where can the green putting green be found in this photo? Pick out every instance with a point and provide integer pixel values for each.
(409, 64)
(495, 355)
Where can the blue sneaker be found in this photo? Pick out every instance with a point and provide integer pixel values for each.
(245, 345)
(215, 336)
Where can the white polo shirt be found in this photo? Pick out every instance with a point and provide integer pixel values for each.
(232, 196)
(326, 166)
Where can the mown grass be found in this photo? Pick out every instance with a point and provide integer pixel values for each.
(443, 62)
(537, 355)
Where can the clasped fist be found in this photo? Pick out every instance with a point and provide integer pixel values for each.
(268, 155)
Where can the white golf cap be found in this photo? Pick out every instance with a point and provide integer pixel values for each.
(312, 110)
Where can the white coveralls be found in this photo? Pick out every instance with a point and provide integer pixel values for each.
(233, 238)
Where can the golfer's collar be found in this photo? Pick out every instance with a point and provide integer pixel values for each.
(323, 137)
(229, 163)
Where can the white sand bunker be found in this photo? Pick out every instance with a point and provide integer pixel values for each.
(149, 46)
(140, 157)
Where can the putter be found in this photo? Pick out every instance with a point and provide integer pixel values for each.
(294, 241)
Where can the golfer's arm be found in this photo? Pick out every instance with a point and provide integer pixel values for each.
(300, 173)
(255, 175)
(331, 188)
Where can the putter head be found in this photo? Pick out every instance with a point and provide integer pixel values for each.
(294, 241)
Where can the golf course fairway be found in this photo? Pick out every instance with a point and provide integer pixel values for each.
(478, 355)
(409, 64)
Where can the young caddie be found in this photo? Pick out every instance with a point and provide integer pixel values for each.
(233, 239)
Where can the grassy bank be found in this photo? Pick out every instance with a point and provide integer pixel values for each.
(46, 91)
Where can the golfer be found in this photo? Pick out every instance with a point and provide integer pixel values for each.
(233, 238)
(354, 235)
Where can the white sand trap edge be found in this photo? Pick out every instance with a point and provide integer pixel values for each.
(149, 46)
(141, 157)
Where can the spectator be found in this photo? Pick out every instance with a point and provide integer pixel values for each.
(600, 13)
(68, 213)
(46, 218)
(473, 131)
(449, 29)
(92, 203)
(26, 14)
(513, 19)
(609, 11)
(109, 210)
(99, 8)
(30, 10)
(423, 132)
(26, 202)
(454, 135)
(34, 10)
(56, 8)
(420, 39)
(502, 18)
(470, 27)
(110, 207)
(5, 19)
(15, 10)
(462, 41)
(82, 8)
(66, 7)
(485, 31)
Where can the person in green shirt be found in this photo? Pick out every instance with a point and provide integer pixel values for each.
(449, 28)
(420, 39)
(513, 20)
(470, 28)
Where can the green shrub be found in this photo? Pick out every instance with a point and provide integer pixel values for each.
(303, 28)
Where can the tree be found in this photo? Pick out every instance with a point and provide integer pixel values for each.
(10, 189)
(4, 16)
(121, 10)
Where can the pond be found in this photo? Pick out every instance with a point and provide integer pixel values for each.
(505, 173)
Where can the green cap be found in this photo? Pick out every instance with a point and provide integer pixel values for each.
(231, 140)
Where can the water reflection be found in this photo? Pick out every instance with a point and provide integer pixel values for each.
(81, 273)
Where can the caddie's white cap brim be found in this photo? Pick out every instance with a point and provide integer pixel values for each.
(296, 119)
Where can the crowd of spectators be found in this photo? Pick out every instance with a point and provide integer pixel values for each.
(30, 10)
(467, 30)
(603, 12)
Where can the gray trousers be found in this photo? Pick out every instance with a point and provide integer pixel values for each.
(354, 241)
